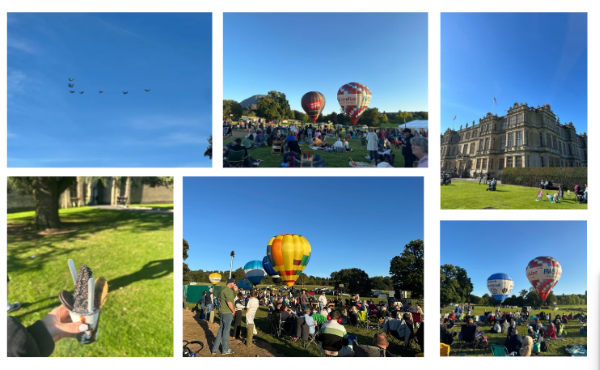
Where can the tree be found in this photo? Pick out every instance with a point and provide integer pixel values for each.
(186, 247)
(381, 283)
(47, 190)
(232, 107)
(300, 116)
(208, 151)
(370, 117)
(238, 274)
(268, 108)
(523, 293)
(407, 270)
(354, 280)
(484, 299)
(455, 285)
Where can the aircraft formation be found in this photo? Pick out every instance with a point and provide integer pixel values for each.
(72, 85)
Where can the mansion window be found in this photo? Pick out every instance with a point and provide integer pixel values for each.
(504, 125)
(491, 163)
(503, 142)
(511, 140)
(542, 161)
(487, 144)
(474, 134)
(500, 163)
(509, 162)
(468, 136)
(541, 140)
(520, 117)
(481, 145)
(512, 120)
(519, 138)
(484, 163)
(550, 162)
(472, 148)
(478, 164)
(489, 127)
(518, 161)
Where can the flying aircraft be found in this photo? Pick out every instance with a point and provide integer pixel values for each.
(71, 85)
(125, 92)
(71, 91)
(100, 92)
(71, 79)
(81, 92)
(147, 90)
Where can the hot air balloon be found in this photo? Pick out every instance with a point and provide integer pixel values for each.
(288, 254)
(354, 98)
(244, 284)
(270, 271)
(500, 285)
(254, 272)
(543, 273)
(313, 103)
(214, 278)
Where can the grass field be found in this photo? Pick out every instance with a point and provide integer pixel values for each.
(555, 348)
(332, 159)
(133, 251)
(471, 195)
(163, 207)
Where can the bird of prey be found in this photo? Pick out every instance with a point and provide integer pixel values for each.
(71, 85)
(81, 92)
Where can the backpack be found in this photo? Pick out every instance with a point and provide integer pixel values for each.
(484, 343)
(544, 346)
(536, 348)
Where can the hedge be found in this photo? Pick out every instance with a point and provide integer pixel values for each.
(532, 176)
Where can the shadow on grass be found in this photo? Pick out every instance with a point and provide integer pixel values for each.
(210, 338)
(152, 270)
(53, 302)
(24, 239)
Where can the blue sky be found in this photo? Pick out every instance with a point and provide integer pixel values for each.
(348, 221)
(484, 248)
(299, 52)
(168, 53)
(533, 58)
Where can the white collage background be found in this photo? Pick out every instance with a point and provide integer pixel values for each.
(433, 214)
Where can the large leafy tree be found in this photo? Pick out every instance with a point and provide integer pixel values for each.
(47, 190)
(407, 270)
(354, 280)
(370, 117)
(232, 109)
(455, 285)
(208, 151)
(274, 106)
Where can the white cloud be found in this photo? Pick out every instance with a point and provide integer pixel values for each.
(22, 45)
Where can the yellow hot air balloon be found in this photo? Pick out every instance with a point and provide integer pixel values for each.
(288, 254)
(214, 278)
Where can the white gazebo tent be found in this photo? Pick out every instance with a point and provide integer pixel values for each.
(416, 125)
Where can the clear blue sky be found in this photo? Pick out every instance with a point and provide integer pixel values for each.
(533, 58)
(484, 248)
(360, 222)
(299, 52)
(168, 53)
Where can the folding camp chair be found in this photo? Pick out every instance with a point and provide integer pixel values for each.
(468, 336)
(444, 350)
(307, 157)
(417, 319)
(362, 320)
(277, 147)
(499, 351)
(235, 158)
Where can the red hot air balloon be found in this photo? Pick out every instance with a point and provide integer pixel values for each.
(313, 103)
(354, 98)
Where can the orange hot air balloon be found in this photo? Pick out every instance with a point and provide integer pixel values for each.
(288, 254)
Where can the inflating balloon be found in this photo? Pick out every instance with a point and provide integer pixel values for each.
(313, 103)
(500, 285)
(214, 278)
(543, 273)
(254, 272)
(354, 98)
(288, 255)
(270, 271)
(244, 284)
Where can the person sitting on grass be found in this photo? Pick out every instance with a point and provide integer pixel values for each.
(346, 145)
(319, 318)
(333, 339)
(514, 343)
(378, 349)
(527, 346)
(496, 328)
(291, 137)
(550, 332)
(338, 145)
(512, 330)
(248, 142)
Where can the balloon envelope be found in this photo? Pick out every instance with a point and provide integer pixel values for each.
(254, 271)
(244, 284)
(288, 255)
(500, 285)
(354, 98)
(313, 103)
(214, 278)
(270, 271)
(543, 273)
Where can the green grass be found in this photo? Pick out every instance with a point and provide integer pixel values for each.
(471, 195)
(163, 207)
(555, 348)
(133, 251)
(288, 348)
(332, 159)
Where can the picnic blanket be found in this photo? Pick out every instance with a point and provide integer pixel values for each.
(576, 350)
(360, 164)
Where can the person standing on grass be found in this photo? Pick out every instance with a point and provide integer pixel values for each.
(322, 301)
(209, 301)
(303, 300)
(239, 311)
(372, 146)
(226, 310)
(251, 309)
(409, 157)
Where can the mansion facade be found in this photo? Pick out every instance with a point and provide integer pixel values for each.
(524, 137)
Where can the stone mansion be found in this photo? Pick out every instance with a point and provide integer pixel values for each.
(524, 137)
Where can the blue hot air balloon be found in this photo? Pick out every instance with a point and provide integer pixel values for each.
(500, 285)
(244, 284)
(254, 272)
(270, 271)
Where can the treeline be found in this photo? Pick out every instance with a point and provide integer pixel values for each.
(275, 106)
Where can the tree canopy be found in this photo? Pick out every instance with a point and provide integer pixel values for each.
(355, 280)
(407, 270)
(232, 110)
(455, 285)
(274, 106)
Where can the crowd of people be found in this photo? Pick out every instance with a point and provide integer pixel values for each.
(301, 316)
(507, 323)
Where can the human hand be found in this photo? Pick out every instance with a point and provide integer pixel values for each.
(59, 324)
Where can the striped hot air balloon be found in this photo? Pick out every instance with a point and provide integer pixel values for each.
(254, 272)
(500, 285)
(543, 273)
(288, 254)
(354, 98)
(214, 278)
(270, 271)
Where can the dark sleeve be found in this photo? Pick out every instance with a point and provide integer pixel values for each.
(33, 341)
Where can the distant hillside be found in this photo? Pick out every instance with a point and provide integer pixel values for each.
(251, 102)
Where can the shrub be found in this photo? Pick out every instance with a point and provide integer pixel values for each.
(532, 176)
